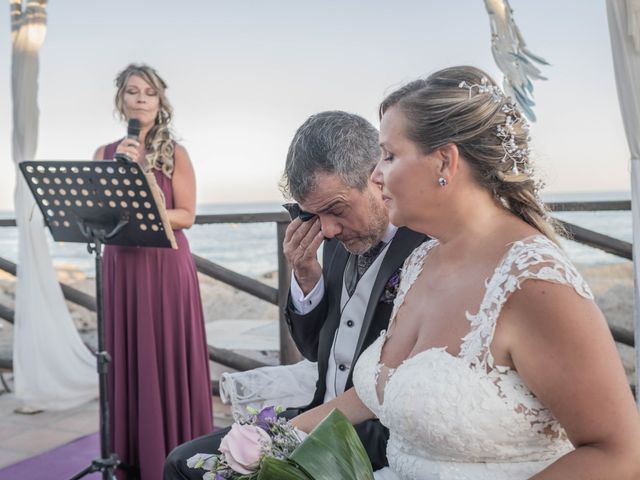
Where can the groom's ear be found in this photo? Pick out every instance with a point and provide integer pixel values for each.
(448, 160)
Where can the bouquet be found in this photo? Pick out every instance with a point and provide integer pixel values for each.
(266, 447)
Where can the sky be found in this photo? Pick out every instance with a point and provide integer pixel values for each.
(244, 75)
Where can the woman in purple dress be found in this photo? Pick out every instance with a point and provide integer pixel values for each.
(159, 394)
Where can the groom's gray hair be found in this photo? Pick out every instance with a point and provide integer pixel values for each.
(333, 142)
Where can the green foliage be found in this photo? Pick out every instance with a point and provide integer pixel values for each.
(272, 468)
(333, 451)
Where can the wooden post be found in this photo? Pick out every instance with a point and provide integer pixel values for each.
(288, 351)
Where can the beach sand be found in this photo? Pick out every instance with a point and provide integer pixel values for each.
(611, 284)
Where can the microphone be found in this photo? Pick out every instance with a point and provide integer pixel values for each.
(133, 132)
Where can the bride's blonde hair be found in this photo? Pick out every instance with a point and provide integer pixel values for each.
(159, 142)
(464, 106)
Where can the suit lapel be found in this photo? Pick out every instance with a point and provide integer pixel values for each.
(403, 243)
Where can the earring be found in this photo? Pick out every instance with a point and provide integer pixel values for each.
(442, 181)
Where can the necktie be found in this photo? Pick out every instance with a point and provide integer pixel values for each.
(357, 265)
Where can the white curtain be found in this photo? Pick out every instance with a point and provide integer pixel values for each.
(53, 369)
(624, 27)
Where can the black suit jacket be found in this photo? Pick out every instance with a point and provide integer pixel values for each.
(314, 332)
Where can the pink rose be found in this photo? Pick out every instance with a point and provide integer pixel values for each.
(243, 446)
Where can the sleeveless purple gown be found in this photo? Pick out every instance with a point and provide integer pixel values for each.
(159, 385)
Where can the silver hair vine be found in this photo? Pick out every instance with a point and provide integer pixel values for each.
(506, 132)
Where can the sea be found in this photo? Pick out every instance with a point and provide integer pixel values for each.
(251, 249)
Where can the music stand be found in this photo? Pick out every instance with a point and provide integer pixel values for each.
(100, 203)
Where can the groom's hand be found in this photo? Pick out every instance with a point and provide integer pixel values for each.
(300, 246)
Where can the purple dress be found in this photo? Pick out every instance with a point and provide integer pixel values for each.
(159, 384)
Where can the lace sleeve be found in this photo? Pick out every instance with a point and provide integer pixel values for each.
(541, 259)
(536, 258)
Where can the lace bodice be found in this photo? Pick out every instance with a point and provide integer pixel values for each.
(464, 417)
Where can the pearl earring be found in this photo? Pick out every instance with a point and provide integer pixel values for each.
(442, 181)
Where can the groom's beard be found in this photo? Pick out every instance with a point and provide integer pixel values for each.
(358, 243)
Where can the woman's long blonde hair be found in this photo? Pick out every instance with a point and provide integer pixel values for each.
(159, 142)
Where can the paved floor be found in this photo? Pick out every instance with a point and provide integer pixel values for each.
(23, 436)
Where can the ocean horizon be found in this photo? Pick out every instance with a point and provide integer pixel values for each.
(251, 249)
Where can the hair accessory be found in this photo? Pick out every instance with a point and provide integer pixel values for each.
(442, 181)
(506, 132)
(484, 87)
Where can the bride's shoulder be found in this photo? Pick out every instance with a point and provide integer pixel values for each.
(539, 258)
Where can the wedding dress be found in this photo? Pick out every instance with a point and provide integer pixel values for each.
(464, 417)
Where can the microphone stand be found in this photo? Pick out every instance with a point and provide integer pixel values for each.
(113, 203)
(96, 235)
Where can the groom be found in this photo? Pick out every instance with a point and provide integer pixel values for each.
(338, 309)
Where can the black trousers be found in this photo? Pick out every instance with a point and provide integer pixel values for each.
(372, 434)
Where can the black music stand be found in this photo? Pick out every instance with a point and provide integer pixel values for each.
(100, 203)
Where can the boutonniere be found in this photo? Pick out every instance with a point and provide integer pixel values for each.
(391, 288)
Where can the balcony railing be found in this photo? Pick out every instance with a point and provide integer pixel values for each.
(278, 296)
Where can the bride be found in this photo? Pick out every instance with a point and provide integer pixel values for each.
(497, 364)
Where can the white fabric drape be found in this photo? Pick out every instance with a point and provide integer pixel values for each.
(288, 386)
(53, 369)
(624, 23)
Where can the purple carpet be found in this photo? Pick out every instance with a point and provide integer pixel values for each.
(58, 464)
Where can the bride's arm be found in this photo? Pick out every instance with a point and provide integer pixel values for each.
(348, 403)
(562, 348)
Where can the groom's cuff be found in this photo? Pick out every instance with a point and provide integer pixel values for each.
(303, 304)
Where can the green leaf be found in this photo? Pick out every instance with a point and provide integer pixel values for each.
(333, 451)
(272, 468)
(250, 476)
